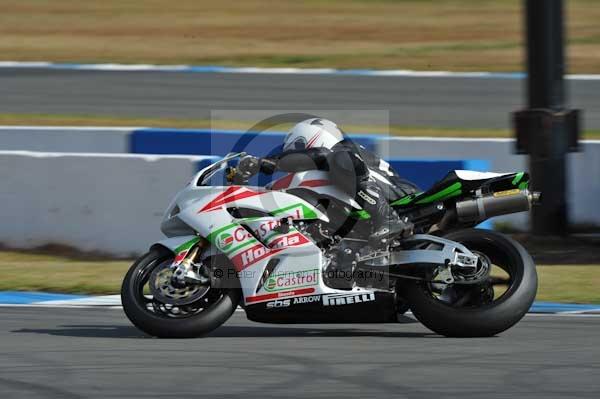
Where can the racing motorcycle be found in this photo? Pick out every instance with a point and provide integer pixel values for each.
(297, 251)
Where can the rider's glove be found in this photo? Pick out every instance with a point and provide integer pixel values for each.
(268, 165)
(248, 166)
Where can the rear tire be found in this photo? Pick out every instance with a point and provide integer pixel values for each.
(488, 319)
(159, 325)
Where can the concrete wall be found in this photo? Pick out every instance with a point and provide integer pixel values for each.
(584, 183)
(94, 202)
(65, 139)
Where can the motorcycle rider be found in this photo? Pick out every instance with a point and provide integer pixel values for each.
(318, 143)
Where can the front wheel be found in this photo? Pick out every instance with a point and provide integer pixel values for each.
(159, 309)
(483, 309)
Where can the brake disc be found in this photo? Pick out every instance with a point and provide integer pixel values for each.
(163, 290)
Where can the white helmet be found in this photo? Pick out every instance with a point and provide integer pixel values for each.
(311, 133)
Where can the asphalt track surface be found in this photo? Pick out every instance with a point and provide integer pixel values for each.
(411, 101)
(96, 353)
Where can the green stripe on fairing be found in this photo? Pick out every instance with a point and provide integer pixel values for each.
(275, 233)
(448, 192)
(271, 235)
(360, 214)
(306, 211)
(211, 236)
(524, 185)
(187, 245)
(517, 178)
(245, 244)
(405, 200)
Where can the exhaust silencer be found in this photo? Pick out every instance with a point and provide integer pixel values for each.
(496, 204)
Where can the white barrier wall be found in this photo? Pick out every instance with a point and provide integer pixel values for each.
(94, 202)
(114, 202)
(65, 139)
(583, 167)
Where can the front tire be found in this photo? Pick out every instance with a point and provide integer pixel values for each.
(483, 319)
(145, 314)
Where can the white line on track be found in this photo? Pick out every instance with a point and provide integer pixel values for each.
(278, 71)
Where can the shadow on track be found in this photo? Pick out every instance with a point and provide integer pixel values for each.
(308, 332)
(87, 331)
(104, 331)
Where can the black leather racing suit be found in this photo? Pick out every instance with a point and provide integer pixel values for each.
(357, 171)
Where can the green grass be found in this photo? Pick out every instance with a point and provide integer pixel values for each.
(39, 272)
(572, 283)
(36, 272)
(459, 35)
(96, 120)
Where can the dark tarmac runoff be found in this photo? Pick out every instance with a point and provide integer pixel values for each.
(442, 101)
(97, 353)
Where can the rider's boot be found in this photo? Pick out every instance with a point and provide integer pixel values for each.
(386, 222)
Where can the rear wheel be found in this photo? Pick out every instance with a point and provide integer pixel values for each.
(159, 309)
(494, 304)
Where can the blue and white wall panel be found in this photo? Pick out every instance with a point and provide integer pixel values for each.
(98, 189)
(583, 167)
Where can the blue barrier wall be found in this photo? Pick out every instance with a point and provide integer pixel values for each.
(202, 142)
(214, 142)
(424, 173)
(203, 163)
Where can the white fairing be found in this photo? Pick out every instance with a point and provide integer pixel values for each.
(474, 175)
(251, 243)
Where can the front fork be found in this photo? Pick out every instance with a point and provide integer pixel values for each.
(185, 270)
(188, 272)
